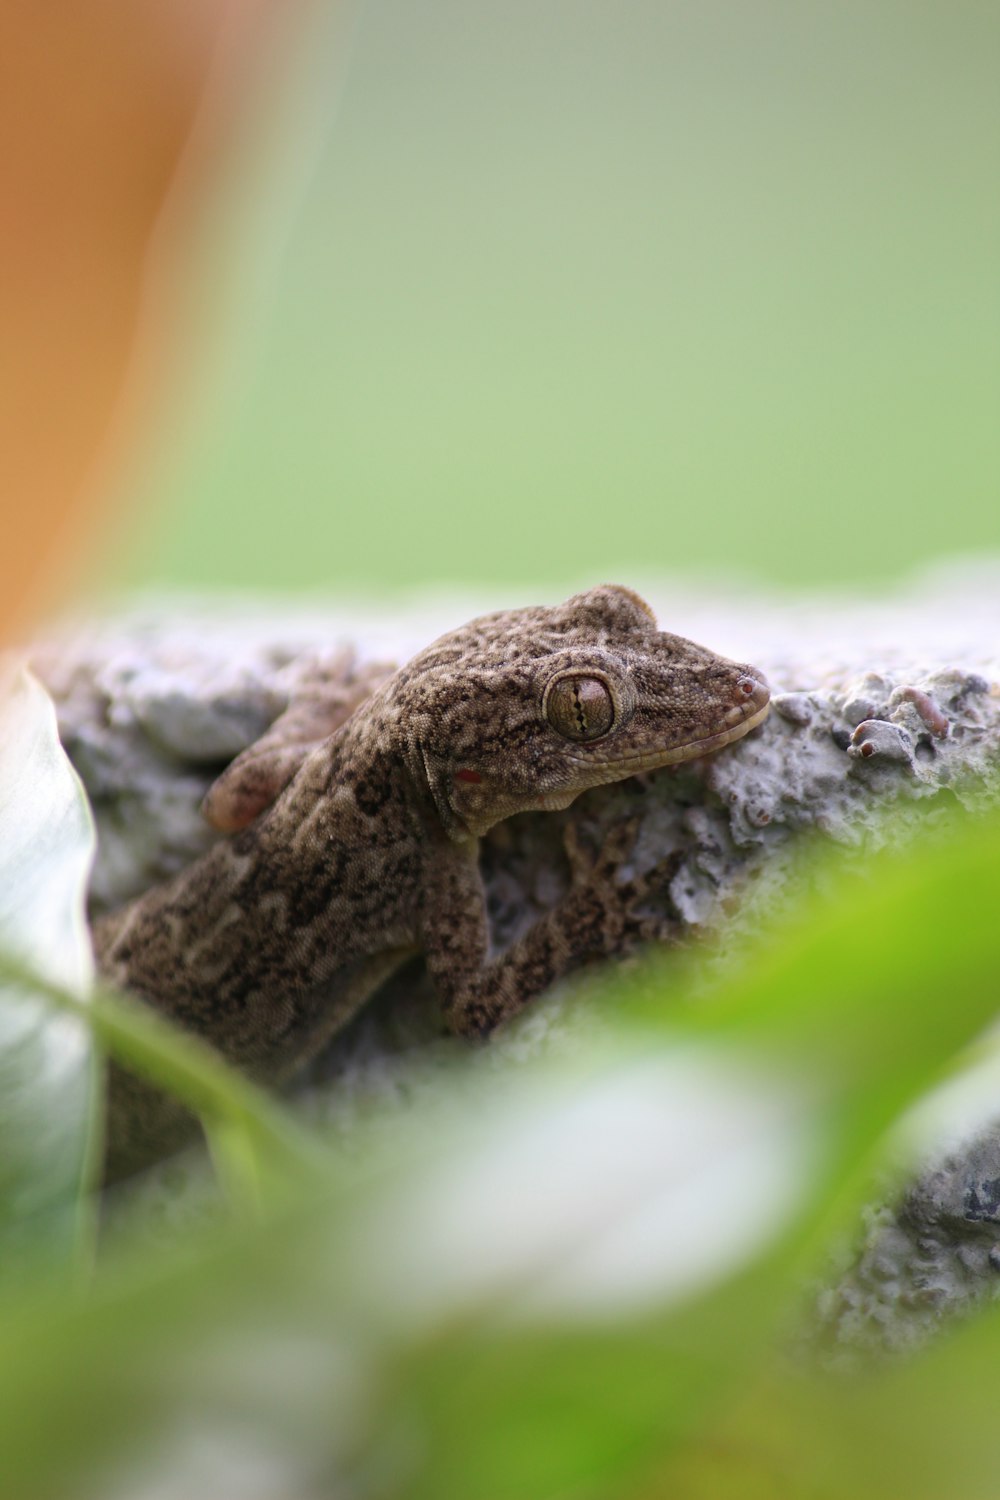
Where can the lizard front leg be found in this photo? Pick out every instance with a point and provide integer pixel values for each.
(597, 918)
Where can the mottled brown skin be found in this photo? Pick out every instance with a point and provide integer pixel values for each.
(271, 941)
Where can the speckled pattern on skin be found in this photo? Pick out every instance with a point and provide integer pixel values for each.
(368, 851)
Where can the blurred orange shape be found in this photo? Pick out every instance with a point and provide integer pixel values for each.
(111, 112)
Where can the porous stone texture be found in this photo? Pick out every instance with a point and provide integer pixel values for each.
(920, 1257)
(886, 712)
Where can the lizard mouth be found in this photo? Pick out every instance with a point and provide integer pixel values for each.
(738, 721)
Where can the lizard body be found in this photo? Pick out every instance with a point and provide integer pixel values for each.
(359, 849)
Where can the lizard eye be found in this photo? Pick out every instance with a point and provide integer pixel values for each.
(579, 708)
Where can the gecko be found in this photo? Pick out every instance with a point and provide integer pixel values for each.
(353, 841)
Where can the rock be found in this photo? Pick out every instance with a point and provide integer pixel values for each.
(883, 710)
(922, 1259)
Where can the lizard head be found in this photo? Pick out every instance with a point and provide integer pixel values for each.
(523, 710)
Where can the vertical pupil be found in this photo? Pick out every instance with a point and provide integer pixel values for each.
(579, 712)
(581, 708)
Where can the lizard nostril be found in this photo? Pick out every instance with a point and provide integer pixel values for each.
(752, 690)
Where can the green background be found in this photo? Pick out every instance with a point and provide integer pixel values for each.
(556, 291)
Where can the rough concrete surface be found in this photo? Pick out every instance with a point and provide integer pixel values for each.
(885, 709)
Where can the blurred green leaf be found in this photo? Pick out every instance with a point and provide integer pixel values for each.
(253, 1139)
(518, 1290)
(920, 1426)
(47, 1072)
(869, 993)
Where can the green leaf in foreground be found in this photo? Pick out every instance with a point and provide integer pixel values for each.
(921, 1426)
(545, 1283)
(47, 1071)
(254, 1141)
